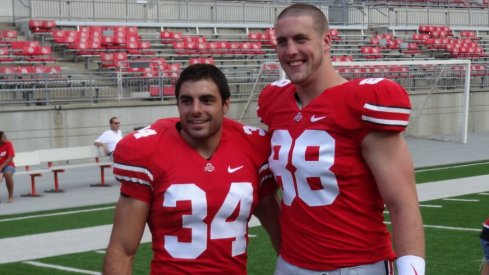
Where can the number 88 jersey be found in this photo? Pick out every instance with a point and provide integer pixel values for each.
(199, 208)
(332, 212)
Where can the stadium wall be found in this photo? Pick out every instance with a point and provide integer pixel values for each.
(6, 12)
(43, 127)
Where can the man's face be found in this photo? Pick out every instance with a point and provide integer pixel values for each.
(300, 48)
(115, 124)
(201, 111)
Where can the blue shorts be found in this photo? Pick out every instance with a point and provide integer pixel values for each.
(8, 168)
(485, 249)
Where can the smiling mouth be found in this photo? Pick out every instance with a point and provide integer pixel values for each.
(197, 122)
(295, 64)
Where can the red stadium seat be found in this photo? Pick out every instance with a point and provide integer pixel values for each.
(410, 48)
(172, 70)
(370, 52)
(41, 26)
(35, 25)
(5, 55)
(256, 48)
(223, 47)
(478, 70)
(202, 48)
(201, 60)
(7, 36)
(335, 35)
(253, 36)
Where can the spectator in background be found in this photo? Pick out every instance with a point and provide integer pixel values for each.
(7, 166)
(484, 238)
(108, 139)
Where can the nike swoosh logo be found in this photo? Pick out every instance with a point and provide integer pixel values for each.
(414, 269)
(314, 118)
(232, 170)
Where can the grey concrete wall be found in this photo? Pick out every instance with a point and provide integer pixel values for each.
(6, 12)
(32, 128)
(41, 127)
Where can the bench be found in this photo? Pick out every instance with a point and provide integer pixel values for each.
(51, 156)
(26, 160)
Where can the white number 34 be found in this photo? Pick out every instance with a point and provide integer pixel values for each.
(240, 195)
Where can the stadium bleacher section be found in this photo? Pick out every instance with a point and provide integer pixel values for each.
(155, 53)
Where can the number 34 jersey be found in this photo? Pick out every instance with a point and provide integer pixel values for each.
(199, 208)
(332, 212)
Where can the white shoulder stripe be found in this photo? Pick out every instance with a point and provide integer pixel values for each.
(134, 169)
(263, 167)
(265, 178)
(385, 121)
(131, 179)
(386, 109)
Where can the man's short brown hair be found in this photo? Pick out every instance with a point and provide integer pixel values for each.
(301, 9)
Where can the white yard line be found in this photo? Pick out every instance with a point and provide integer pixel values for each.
(56, 214)
(431, 206)
(62, 268)
(463, 200)
(447, 227)
(450, 167)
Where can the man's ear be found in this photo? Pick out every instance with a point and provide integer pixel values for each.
(225, 106)
(326, 39)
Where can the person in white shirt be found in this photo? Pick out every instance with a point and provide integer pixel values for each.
(108, 139)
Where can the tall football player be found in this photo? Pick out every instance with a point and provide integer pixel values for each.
(195, 181)
(338, 154)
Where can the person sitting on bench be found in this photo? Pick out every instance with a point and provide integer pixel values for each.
(7, 166)
(108, 139)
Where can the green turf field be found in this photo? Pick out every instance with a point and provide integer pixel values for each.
(451, 228)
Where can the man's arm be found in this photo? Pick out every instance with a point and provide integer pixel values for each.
(129, 222)
(268, 212)
(388, 158)
(103, 146)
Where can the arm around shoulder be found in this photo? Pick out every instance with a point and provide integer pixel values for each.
(268, 212)
(129, 223)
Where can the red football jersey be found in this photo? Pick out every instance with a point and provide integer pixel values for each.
(6, 151)
(332, 212)
(200, 207)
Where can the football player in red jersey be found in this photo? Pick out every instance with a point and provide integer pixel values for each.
(195, 181)
(338, 154)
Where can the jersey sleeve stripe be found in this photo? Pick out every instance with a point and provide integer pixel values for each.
(136, 169)
(390, 122)
(387, 109)
(263, 168)
(132, 179)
